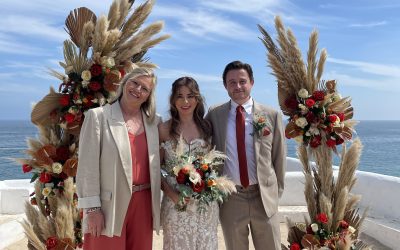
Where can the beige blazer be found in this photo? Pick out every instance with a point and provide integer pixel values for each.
(269, 151)
(104, 177)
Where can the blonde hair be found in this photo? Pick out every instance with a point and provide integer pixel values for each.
(149, 106)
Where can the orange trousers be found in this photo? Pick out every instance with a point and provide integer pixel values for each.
(137, 231)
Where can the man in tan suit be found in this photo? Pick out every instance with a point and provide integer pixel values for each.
(252, 136)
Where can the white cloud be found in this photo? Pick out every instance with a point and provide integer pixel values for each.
(371, 68)
(28, 26)
(368, 25)
(249, 6)
(203, 23)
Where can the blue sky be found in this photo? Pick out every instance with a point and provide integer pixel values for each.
(361, 36)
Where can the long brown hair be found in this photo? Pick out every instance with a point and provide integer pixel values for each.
(198, 114)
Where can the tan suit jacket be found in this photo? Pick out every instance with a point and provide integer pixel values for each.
(269, 151)
(104, 175)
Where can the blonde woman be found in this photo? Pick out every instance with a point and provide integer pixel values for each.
(118, 180)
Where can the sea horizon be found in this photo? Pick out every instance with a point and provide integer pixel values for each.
(381, 140)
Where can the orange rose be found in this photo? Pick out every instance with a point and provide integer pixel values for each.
(211, 183)
(204, 167)
(185, 170)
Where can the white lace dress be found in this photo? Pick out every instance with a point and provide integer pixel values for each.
(188, 230)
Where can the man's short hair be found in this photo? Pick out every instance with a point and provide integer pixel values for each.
(237, 65)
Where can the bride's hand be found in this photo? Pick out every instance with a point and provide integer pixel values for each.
(171, 193)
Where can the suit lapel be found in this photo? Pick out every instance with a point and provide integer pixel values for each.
(152, 142)
(256, 137)
(224, 121)
(120, 134)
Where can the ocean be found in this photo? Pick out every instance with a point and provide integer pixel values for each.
(381, 153)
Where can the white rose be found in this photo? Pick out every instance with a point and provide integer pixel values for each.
(336, 97)
(86, 75)
(194, 177)
(301, 122)
(107, 62)
(176, 170)
(314, 227)
(314, 130)
(73, 110)
(308, 133)
(85, 84)
(46, 191)
(303, 93)
(351, 229)
(57, 167)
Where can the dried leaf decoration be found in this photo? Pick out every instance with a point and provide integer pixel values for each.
(44, 155)
(71, 167)
(75, 22)
(41, 111)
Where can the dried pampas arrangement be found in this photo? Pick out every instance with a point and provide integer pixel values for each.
(320, 121)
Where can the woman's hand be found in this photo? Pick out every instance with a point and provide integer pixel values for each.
(171, 193)
(95, 222)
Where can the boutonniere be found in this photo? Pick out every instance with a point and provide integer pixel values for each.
(260, 125)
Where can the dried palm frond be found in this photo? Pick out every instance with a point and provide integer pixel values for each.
(31, 234)
(57, 74)
(75, 22)
(352, 201)
(41, 111)
(355, 220)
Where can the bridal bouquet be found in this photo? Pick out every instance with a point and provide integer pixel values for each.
(197, 178)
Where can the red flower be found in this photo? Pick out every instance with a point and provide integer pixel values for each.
(339, 141)
(122, 71)
(198, 187)
(343, 224)
(64, 100)
(341, 116)
(45, 177)
(318, 95)
(51, 242)
(201, 173)
(33, 201)
(310, 117)
(332, 118)
(309, 230)
(62, 154)
(291, 103)
(331, 142)
(26, 168)
(181, 178)
(266, 132)
(322, 218)
(315, 141)
(310, 102)
(95, 86)
(96, 70)
(69, 117)
(295, 246)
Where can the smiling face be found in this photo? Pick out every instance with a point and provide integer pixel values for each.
(137, 90)
(185, 101)
(238, 84)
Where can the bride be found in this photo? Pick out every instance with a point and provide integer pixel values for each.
(187, 229)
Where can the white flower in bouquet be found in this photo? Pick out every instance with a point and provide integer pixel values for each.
(303, 108)
(46, 191)
(107, 62)
(314, 227)
(336, 97)
(351, 229)
(86, 75)
(301, 122)
(85, 84)
(314, 129)
(303, 93)
(194, 177)
(57, 168)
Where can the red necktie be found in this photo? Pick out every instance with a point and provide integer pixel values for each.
(241, 146)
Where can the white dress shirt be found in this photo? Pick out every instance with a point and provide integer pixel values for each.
(231, 168)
